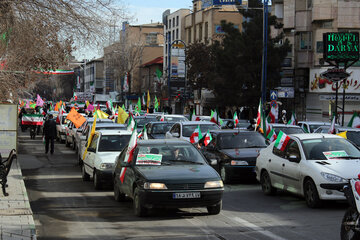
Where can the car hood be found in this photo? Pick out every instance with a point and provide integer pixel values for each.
(108, 157)
(179, 173)
(241, 153)
(342, 168)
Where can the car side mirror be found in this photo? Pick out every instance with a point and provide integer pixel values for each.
(175, 135)
(91, 150)
(125, 164)
(293, 158)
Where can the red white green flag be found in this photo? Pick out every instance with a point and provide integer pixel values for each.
(32, 119)
(196, 135)
(292, 120)
(208, 138)
(281, 141)
(162, 119)
(354, 121)
(272, 114)
(258, 117)
(332, 126)
(129, 153)
(236, 119)
(193, 116)
(272, 136)
(215, 118)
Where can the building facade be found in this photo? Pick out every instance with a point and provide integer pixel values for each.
(305, 21)
(94, 76)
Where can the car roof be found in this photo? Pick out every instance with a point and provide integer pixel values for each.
(143, 116)
(306, 136)
(197, 123)
(173, 115)
(114, 132)
(162, 142)
(162, 122)
(284, 125)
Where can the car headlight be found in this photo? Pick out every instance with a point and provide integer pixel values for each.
(333, 178)
(239, 163)
(158, 186)
(106, 165)
(214, 184)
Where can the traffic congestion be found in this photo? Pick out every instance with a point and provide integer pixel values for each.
(163, 161)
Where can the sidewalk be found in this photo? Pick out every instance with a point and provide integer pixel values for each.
(16, 217)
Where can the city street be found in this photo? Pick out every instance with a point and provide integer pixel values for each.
(65, 207)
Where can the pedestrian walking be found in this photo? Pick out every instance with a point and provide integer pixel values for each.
(49, 132)
(283, 117)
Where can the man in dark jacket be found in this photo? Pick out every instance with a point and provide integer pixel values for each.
(50, 134)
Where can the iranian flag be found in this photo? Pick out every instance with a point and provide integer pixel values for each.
(196, 135)
(292, 120)
(143, 134)
(129, 153)
(272, 136)
(281, 141)
(272, 114)
(32, 119)
(193, 116)
(215, 118)
(131, 124)
(258, 117)
(354, 121)
(162, 119)
(332, 126)
(236, 119)
(208, 138)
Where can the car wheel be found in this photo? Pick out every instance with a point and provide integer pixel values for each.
(97, 180)
(119, 196)
(224, 175)
(85, 176)
(139, 209)
(265, 182)
(215, 209)
(311, 194)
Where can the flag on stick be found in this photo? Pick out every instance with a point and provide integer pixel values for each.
(196, 135)
(208, 138)
(354, 121)
(129, 153)
(281, 141)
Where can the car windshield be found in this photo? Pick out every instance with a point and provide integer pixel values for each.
(168, 154)
(313, 127)
(329, 148)
(241, 140)
(288, 130)
(161, 128)
(176, 119)
(142, 121)
(354, 136)
(113, 143)
(189, 129)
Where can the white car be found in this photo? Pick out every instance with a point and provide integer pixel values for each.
(172, 118)
(312, 125)
(100, 158)
(60, 128)
(183, 130)
(312, 165)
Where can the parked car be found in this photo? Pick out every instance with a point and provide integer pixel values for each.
(87, 131)
(311, 165)
(286, 128)
(172, 118)
(312, 125)
(99, 161)
(157, 130)
(70, 132)
(60, 128)
(352, 134)
(229, 124)
(142, 121)
(183, 130)
(233, 153)
(168, 173)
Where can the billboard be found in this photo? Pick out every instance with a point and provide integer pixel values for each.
(341, 46)
(209, 3)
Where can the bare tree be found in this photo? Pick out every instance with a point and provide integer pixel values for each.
(41, 35)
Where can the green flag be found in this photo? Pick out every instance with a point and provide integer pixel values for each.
(156, 105)
(138, 106)
(158, 73)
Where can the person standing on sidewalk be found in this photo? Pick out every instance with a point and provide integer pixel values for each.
(49, 132)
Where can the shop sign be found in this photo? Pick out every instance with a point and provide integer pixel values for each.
(341, 46)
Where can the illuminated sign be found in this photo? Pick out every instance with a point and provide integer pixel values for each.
(341, 46)
(209, 3)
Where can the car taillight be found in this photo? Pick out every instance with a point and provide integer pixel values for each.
(359, 176)
(357, 187)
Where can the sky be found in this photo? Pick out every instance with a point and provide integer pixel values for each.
(141, 12)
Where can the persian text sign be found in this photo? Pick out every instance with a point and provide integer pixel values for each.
(341, 46)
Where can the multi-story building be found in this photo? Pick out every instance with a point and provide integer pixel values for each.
(305, 21)
(94, 76)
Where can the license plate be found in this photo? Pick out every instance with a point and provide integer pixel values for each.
(186, 195)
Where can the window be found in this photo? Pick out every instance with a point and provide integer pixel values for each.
(189, 35)
(94, 142)
(177, 33)
(177, 21)
(292, 149)
(173, 22)
(206, 32)
(200, 32)
(319, 47)
(151, 38)
(278, 153)
(305, 41)
(173, 34)
(169, 23)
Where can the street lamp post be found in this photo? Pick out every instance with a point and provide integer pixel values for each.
(264, 56)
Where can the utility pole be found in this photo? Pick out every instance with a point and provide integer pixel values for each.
(264, 56)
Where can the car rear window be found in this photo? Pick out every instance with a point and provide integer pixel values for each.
(113, 143)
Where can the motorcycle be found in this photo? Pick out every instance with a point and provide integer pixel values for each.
(350, 225)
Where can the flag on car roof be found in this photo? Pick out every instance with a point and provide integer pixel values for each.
(292, 120)
(193, 116)
(215, 118)
(131, 123)
(143, 134)
(343, 134)
(236, 119)
(258, 117)
(281, 141)
(332, 126)
(122, 116)
(272, 114)
(196, 135)
(354, 121)
(162, 119)
(101, 114)
(208, 138)
(272, 135)
(129, 153)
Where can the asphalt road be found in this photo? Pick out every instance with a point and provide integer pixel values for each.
(65, 207)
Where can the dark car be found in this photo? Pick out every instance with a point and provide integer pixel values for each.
(168, 174)
(157, 130)
(141, 121)
(287, 128)
(233, 153)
